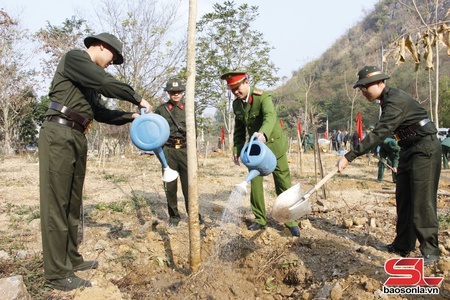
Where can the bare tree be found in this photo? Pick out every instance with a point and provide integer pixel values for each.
(15, 81)
(352, 95)
(55, 41)
(152, 52)
(304, 84)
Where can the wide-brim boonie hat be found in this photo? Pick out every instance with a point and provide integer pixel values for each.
(111, 40)
(369, 74)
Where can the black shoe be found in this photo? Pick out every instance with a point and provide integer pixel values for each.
(430, 259)
(255, 226)
(200, 219)
(173, 222)
(295, 231)
(68, 284)
(391, 249)
(86, 265)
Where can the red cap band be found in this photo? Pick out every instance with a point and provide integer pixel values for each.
(233, 79)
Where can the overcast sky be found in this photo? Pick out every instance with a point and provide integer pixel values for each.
(299, 30)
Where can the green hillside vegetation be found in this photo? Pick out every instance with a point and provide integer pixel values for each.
(325, 86)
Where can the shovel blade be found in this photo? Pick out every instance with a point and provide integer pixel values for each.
(282, 211)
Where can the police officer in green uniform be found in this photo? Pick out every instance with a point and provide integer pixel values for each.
(175, 150)
(389, 154)
(255, 114)
(419, 167)
(79, 81)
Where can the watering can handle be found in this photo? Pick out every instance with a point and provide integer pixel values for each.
(250, 143)
(143, 111)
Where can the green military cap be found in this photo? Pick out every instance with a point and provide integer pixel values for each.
(174, 85)
(111, 40)
(369, 74)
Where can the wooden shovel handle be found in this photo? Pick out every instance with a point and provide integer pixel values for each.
(320, 183)
(313, 189)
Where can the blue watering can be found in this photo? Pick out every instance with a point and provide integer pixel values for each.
(150, 132)
(259, 160)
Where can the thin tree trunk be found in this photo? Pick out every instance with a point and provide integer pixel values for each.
(194, 227)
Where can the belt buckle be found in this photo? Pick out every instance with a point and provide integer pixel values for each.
(177, 144)
(88, 126)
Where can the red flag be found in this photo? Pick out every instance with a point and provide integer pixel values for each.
(299, 128)
(359, 129)
(222, 137)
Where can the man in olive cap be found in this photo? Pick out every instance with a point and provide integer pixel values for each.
(255, 114)
(419, 166)
(175, 150)
(79, 81)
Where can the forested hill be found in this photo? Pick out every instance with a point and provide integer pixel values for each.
(325, 85)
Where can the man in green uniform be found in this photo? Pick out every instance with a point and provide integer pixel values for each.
(175, 150)
(419, 167)
(255, 114)
(309, 141)
(446, 150)
(389, 154)
(79, 81)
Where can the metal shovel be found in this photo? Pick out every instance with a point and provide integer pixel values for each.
(292, 204)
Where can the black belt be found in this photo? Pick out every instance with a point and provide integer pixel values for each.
(68, 123)
(410, 131)
(70, 113)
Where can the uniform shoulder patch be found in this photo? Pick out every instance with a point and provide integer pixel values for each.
(258, 92)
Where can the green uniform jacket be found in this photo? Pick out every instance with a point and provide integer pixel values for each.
(179, 115)
(399, 110)
(78, 83)
(258, 116)
(393, 153)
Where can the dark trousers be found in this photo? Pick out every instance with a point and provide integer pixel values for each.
(416, 196)
(62, 168)
(177, 160)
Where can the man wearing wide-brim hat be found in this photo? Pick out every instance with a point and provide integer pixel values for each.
(79, 81)
(255, 114)
(419, 164)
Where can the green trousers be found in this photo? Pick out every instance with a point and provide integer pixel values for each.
(445, 154)
(282, 180)
(418, 175)
(177, 160)
(382, 167)
(62, 168)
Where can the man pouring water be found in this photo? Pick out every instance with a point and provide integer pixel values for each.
(255, 114)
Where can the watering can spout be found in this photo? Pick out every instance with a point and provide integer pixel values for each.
(252, 174)
(169, 174)
(241, 187)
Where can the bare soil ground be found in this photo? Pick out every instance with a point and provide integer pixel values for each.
(141, 257)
